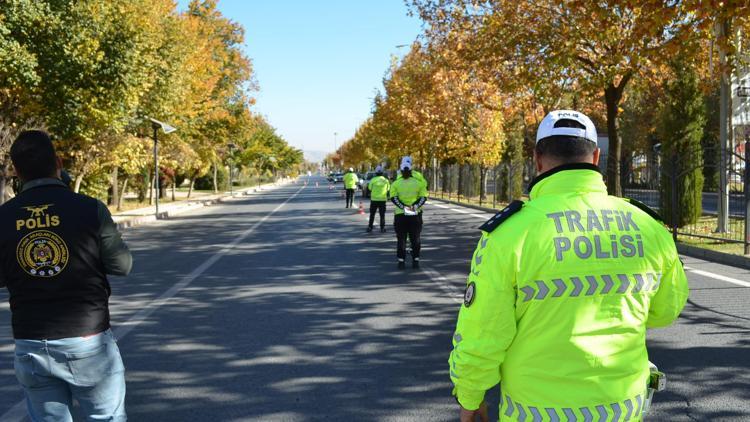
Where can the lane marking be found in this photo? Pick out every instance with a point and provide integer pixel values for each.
(18, 412)
(718, 277)
(460, 211)
(444, 284)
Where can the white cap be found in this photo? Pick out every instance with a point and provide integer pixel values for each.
(406, 163)
(351, 169)
(379, 169)
(547, 127)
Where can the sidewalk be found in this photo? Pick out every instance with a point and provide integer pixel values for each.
(137, 217)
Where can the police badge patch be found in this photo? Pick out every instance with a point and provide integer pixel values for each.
(42, 254)
(470, 294)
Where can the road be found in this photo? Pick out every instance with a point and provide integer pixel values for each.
(709, 201)
(279, 307)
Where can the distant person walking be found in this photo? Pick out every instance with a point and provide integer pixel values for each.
(378, 188)
(350, 184)
(56, 248)
(409, 195)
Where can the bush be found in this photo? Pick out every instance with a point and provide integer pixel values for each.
(207, 182)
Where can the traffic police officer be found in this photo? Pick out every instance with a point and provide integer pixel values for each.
(561, 292)
(378, 187)
(56, 248)
(350, 184)
(409, 195)
(415, 174)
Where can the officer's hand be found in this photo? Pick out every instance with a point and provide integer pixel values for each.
(470, 415)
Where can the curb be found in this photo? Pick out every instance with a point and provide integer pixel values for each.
(714, 256)
(461, 204)
(189, 206)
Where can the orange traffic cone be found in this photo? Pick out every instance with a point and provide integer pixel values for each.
(361, 208)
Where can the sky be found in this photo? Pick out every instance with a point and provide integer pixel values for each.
(318, 63)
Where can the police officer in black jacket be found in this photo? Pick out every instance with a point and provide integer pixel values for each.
(56, 249)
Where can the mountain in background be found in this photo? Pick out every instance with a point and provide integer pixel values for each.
(315, 156)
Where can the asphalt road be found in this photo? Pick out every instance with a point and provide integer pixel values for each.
(709, 201)
(279, 307)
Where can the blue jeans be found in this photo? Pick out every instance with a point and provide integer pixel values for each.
(88, 370)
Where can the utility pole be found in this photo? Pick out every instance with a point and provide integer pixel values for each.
(156, 168)
(156, 125)
(336, 145)
(722, 225)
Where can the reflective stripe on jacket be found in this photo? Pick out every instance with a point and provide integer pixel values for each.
(407, 192)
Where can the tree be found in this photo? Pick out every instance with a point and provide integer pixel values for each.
(596, 47)
(681, 126)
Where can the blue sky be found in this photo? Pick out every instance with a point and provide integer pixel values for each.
(319, 62)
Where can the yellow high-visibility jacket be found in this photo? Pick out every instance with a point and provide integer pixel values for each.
(561, 291)
(350, 180)
(406, 193)
(378, 188)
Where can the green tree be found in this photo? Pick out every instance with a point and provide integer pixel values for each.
(681, 127)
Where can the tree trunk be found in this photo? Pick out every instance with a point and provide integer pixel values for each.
(612, 96)
(174, 188)
(115, 186)
(190, 189)
(216, 178)
(446, 185)
(77, 184)
(483, 183)
(162, 190)
(151, 191)
(460, 180)
(122, 193)
(3, 180)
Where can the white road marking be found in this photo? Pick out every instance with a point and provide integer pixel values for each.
(18, 413)
(460, 211)
(718, 277)
(444, 284)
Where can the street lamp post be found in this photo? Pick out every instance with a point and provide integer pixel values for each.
(336, 145)
(156, 125)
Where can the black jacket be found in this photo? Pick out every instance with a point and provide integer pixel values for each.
(56, 248)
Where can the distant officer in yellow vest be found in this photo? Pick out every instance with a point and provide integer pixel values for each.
(561, 292)
(350, 184)
(414, 173)
(378, 187)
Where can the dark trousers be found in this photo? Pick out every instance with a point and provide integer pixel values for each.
(349, 197)
(376, 206)
(408, 225)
